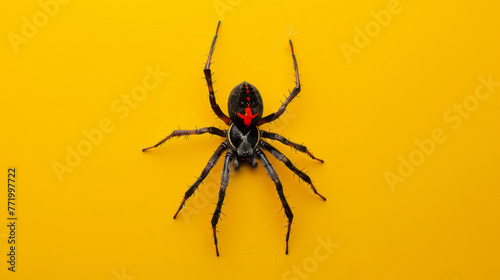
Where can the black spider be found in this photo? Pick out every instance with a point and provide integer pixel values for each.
(244, 139)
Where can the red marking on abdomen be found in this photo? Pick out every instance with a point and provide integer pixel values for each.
(248, 116)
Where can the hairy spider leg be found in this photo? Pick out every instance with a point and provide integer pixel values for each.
(279, 188)
(298, 147)
(211, 163)
(178, 133)
(295, 92)
(208, 77)
(281, 157)
(222, 193)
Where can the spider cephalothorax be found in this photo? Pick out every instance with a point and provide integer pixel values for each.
(244, 140)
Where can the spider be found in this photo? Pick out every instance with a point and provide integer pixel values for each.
(244, 140)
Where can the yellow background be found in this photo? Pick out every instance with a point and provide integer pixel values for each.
(111, 217)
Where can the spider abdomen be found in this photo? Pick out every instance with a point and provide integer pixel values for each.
(245, 106)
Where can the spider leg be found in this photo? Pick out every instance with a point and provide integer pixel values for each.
(177, 133)
(236, 164)
(300, 148)
(279, 188)
(211, 163)
(222, 193)
(295, 92)
(253, 161)
(281, 157)
(208, 77)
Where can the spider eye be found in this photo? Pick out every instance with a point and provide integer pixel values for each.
(242, 102)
